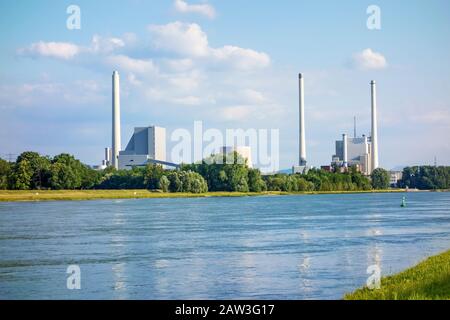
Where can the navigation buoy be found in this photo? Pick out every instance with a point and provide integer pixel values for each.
(403, 202)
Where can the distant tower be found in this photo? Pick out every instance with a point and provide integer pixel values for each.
(374, 143)
(344, 150)
(302, 146)
(354, 127)
(116, 145)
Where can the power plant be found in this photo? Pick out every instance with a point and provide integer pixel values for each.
(360, 152)
(148, 144)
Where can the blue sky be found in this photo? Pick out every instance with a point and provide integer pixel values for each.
(232, 64)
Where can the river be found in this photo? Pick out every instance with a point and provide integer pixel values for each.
(268, 247)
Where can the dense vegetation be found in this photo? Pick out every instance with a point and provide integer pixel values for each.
(426, 177)
(380, 179)
(32, 171)
(430, 279)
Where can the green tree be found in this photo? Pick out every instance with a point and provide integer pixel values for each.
(63, 177)
(152, 175)
(255, 181)
(21, 177)
(380, 179)
(164, 184)
(5, 174)
(39, 169)
(175, 183)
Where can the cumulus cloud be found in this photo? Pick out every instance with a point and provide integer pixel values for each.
(106, 45)
(189, 40)
(59, 50)
(182, 38)
(369, 59)
(128, 64)
(204, 9)
(243, 59)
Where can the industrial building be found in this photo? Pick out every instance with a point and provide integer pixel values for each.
(360, 152)
(353, 152)
(146, 145)
(244, 151)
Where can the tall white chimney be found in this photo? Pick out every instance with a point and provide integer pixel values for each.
(344, 150)
(116, 145)
(374, 162)
(302, 146)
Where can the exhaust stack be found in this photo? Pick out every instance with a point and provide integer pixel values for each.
(302, 144)
(116, 144)
(374, 126)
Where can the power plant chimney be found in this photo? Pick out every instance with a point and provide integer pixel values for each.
(302, 146)
(374, 126)
(344, 150)
(116, 145)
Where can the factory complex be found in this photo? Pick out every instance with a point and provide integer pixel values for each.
(148, 144)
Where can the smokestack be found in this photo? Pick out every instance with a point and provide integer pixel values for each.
(374, 126)
(116, 145)
(344, 150)
(302, 146)
(108, 155)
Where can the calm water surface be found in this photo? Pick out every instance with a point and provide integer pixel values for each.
(274, 247)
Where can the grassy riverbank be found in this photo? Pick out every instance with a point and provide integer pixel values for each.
(430, 279)
(42, 195)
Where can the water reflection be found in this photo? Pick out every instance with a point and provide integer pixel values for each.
(288, 247)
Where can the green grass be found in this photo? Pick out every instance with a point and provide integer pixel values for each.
(429, 280)
(42, 195)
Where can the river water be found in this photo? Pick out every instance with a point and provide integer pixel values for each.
(269, 247)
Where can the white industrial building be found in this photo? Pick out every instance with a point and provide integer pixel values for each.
(244, 151)
(361, 152)
(354, 151)
(146, 144)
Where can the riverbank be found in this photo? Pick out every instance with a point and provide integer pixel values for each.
(49, 195)
(429, 280)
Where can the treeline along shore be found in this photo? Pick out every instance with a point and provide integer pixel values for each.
(216, 175)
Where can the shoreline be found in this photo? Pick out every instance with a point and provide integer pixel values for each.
(427, 280)
(81, 195)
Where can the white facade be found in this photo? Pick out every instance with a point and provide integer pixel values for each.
(146, 143)
(244, 151)
(356, 152)
(394, 177)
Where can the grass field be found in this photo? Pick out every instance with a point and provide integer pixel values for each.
(41, 195)
(429, 280)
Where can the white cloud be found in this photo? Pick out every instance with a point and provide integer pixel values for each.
(190, 41)
(243, 59)
(128, 64)
(236, 113)
(182, 38)
(59, 50)
(203, 9)
(105, 45)
(369, 59)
